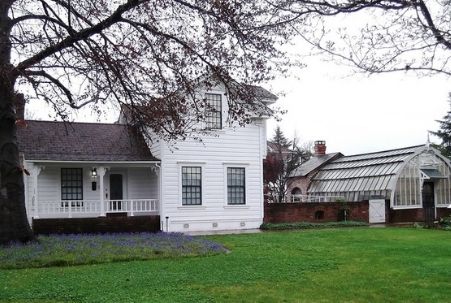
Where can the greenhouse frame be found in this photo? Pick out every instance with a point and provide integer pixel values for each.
(411, 178)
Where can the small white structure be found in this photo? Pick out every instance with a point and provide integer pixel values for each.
(95, 169)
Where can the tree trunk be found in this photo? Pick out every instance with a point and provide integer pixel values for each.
(13, 219)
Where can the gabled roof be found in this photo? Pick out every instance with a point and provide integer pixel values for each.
(363, 172)
(263, 93)
(314, 163)
(59, 141)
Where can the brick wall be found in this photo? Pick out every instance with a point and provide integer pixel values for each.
(296, 212)
(413, 215)
(300, 182)
(97, 225)
(443, 212)
(405, 215)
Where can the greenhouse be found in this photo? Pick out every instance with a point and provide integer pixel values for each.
(411, 178)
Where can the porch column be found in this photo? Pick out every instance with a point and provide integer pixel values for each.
(158, 173)
(35, 200)
(101, 173)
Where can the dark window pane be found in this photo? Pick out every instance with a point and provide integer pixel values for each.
(72, 184)
(191, 185)
(213, 115)
(236, 193)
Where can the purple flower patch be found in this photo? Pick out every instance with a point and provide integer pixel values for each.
(63, 250)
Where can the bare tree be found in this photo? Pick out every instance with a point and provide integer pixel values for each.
(151, 53)
(284, 157)
(386, 36)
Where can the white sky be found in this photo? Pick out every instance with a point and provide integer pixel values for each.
(358, 113)
(354, 113)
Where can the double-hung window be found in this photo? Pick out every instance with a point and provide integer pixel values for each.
(236, 186)
(191, 185)
(213, 114)
(72, 185)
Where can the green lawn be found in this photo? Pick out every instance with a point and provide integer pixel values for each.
(336, 265)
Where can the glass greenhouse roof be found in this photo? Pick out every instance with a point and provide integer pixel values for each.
(359, 173)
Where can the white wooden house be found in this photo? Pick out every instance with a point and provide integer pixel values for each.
(82, 170)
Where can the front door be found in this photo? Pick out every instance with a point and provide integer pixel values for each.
(428, 203)
(116, 191)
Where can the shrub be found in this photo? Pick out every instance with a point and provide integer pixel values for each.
(309, 225)
(445, 223)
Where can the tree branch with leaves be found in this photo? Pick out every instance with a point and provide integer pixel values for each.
(150, 55)
(381, 35)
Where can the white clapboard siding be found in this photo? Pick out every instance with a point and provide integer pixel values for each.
(237, 147)
(49, 184)
(142, 183)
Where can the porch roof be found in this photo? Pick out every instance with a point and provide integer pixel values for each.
(60, 141)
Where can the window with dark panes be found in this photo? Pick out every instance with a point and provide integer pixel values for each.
(236, 188)
(213, 116)
(191, 185)
(71, 184)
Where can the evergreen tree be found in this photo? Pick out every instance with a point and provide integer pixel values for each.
(284, 156)
(279, 140)
(444, 133)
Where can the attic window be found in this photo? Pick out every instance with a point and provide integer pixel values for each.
(213, 115)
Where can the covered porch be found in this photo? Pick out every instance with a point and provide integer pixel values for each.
(70, 189)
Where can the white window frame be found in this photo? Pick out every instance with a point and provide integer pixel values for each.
(246, 185)
(182, 164)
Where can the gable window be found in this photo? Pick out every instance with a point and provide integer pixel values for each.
(236, 190)
(191, 185)
(71, 185)
(213, 115)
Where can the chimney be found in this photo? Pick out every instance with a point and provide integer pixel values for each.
(320, 148)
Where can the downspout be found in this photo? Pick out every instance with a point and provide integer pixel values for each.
(261, 132)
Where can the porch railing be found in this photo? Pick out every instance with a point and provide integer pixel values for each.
(310, 198)
(68, 208)
(305, 199)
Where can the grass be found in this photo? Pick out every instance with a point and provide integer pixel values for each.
(66, 250)
(328, 265)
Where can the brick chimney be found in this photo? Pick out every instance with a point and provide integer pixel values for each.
(320, 148)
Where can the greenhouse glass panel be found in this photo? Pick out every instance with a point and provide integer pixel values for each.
(408, 186)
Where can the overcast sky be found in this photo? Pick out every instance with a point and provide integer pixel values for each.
(352, 112)
(358, 113)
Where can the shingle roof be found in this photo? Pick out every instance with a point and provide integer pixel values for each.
(263, 93)
(364, 172)
(58, 141)
(313, 163)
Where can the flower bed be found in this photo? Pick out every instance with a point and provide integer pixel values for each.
(65, 250)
